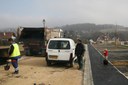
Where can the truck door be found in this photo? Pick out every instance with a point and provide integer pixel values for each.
(64, 50)
(59, 50)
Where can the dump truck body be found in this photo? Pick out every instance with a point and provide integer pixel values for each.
(33, 40)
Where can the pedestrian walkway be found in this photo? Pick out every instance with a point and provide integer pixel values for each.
(87, 75)
(104, 75)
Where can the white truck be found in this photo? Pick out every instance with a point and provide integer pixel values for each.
(60, 49)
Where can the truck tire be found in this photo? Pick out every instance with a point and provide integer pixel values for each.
(48, 61)
(75, 61)
(44, 54)
(27, 52)
(71, 63)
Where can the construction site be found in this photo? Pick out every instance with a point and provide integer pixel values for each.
(35, 71)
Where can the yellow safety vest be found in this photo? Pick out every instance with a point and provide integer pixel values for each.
(16, 51)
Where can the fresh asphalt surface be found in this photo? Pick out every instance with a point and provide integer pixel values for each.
(104, 75)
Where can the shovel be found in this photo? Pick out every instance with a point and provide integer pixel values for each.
(7, 66)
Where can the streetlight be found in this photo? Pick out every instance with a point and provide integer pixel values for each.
(44, 22)
(45, 38)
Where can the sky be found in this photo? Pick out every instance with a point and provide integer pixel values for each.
(15, 13)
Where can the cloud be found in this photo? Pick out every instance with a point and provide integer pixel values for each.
(15, 21)
(61, 12)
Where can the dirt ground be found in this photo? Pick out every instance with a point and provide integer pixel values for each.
(34, 70)
(118, 56)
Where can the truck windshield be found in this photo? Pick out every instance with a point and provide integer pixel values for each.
(55, 44)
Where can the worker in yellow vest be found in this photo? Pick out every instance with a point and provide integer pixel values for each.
(14, 54)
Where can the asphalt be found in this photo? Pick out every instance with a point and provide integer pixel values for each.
(95, 73)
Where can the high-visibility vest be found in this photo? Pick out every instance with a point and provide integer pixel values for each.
(16, 51)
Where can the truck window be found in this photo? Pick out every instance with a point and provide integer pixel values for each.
(54, 44)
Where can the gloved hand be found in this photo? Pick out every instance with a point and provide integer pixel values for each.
(9, 60)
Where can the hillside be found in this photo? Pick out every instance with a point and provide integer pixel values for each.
(93, 31)
(93, 27)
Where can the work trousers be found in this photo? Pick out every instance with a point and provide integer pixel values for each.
(80, 61)
(14, 61)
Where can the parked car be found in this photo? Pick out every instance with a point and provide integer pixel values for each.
(60, 50)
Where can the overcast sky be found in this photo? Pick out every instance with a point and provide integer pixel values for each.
(14, 13)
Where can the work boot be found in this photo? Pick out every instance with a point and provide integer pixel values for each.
(80, 68)
(16, 72)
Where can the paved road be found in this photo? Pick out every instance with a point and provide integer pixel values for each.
(104, 75)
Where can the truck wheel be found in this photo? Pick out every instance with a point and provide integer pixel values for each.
(27, 52)
(71, 63)
(74, 61)
(48, 62)
(44, 54)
